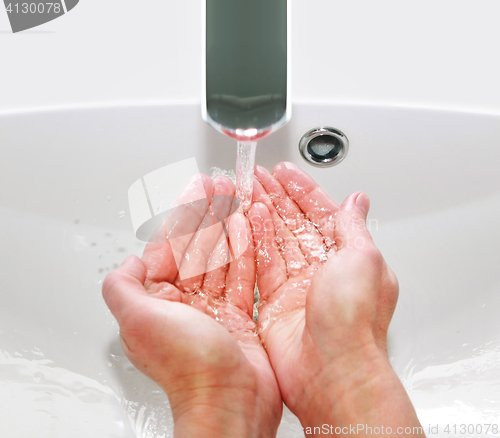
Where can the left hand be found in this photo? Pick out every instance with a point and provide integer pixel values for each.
(196, 338)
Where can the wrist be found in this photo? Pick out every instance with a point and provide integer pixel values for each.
(221, 413)
(358, 389)
(212, 421)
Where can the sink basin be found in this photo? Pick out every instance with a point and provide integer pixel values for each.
(433, 180)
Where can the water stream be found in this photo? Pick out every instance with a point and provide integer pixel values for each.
(245, 162)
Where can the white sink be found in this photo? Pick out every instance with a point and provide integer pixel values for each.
(434, 184)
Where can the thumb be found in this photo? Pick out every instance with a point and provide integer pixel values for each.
(350, 227)
(123, 287)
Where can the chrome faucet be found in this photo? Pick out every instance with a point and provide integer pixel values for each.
(246, 60)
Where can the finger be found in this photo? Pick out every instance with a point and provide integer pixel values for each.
(159, 261)
(124, 287)
(260, 195)
(195, 258)
(287, 243)
(309, 238)
(163, 254)
(198, 187)
(191, 206)
(350, 230)
(271, 269)
(214, 281)
(318, 207)
(164, 291)
(240, 278)
(184, 220)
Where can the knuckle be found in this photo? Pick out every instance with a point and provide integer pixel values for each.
(110, 282)
(393, 279)
(373, 254)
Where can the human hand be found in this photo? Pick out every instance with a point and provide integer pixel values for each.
(196, 337)
(327, 297)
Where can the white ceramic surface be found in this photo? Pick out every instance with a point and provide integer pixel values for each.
(428, 53)
(64, 224)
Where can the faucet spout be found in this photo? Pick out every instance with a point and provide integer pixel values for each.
(246, 82)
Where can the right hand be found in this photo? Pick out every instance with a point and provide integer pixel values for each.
(325, 308)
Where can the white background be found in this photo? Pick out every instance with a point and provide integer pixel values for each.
(430, 53)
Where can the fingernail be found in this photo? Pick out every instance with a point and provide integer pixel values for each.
(238, 237)
(289, 165)
(218, 181)
(363, 203)
(282, 166)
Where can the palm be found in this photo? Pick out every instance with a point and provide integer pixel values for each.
(225, 295)
(199, 329)
(213, 350)
(294, 232)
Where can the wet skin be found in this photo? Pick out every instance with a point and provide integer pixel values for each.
(327, 297)
(196, 337)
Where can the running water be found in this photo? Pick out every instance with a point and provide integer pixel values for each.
(245, 161)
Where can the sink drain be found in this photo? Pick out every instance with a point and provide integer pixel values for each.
(324, 146)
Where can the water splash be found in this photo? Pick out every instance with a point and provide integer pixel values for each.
(462, 391)
(144, 402)
(214, 171)
(61, 402)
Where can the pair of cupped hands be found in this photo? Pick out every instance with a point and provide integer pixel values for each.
(319, 345)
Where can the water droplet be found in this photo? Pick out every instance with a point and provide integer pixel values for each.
(121, 213)
(214, 171)
(37, 352)
(38, 377)
(130, 368)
